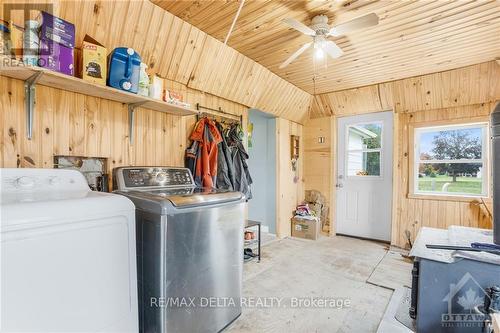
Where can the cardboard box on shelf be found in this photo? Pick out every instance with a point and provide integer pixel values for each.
(57, 42)
(172, 96)
(307, 228)
(92, 65)
(175, 98)
(56, 57)
(56, 29)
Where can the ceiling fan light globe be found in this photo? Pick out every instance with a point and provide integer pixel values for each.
(319, 54)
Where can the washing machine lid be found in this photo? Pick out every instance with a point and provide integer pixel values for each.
(183, 197)
(30, 212)
(29, 197)
(197, 196)
(167, 187)
(18, 181)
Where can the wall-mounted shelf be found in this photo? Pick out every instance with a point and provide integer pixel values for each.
(33, 76)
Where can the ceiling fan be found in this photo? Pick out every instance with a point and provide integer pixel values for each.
(319, 30)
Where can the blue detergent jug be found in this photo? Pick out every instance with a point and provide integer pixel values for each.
(124, 68)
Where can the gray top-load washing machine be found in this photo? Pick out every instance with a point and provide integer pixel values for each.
(189, 250)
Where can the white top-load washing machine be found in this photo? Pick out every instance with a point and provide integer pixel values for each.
(68, 261)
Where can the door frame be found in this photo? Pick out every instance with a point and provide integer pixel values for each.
(334, 153)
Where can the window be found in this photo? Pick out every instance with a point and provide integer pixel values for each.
(451, 160)
(364, 149)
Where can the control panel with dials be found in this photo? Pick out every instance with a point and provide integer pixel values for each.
(41, 180)
(130, 177)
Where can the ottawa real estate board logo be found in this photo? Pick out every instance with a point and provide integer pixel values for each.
(464, 299)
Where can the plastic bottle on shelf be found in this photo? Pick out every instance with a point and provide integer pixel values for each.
(143, 81)
(156, 87)
(31, 43)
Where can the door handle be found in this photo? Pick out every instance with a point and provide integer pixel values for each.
(339, 185)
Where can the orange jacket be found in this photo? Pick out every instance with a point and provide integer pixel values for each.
(206, 133)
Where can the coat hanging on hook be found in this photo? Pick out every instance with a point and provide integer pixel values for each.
(201, 157)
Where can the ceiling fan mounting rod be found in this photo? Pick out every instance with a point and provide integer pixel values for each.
(234, 21)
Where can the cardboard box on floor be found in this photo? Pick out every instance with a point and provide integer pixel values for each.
(305, 228)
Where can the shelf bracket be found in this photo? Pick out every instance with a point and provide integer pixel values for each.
(29, 97)
(131, 120)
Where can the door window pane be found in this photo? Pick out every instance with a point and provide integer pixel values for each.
(364, 149)
(362, 163)
(365, 136)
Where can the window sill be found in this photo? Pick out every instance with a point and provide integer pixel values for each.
(454, 198)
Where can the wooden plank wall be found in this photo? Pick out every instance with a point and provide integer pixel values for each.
(453, 95)
(318, 159)
(289, 192)
(67, 123)
(193, 63)
(412, 213)
(459, 87)
(180, 52)
(77, 125)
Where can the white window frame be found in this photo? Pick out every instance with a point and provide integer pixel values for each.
(379, 150)
(484, 160)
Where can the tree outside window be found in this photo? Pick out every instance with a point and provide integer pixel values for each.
(451, 160)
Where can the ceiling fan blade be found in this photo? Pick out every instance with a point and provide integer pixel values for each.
(355, 24)
(332, 49)
(295, 55)
(299, 26)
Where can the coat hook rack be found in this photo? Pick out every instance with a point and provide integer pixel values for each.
(222, 113)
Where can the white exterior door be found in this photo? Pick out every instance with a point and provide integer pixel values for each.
(364, 175)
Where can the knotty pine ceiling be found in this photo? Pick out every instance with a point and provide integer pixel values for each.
(412, 38)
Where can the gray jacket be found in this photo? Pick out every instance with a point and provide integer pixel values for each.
(225, 166)
(242, 178)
